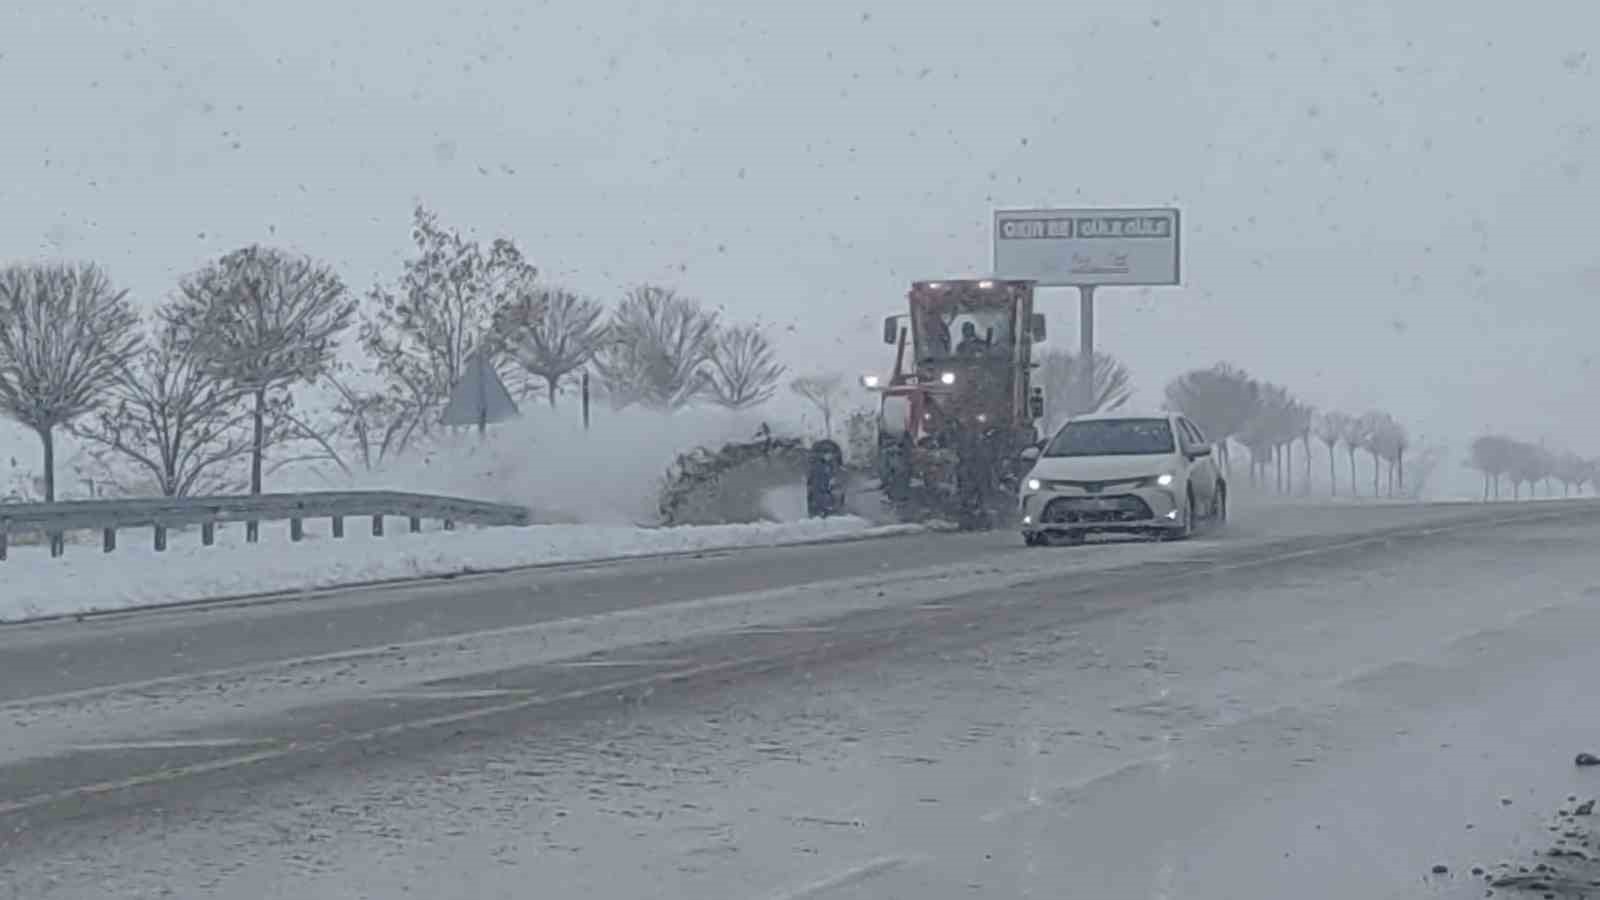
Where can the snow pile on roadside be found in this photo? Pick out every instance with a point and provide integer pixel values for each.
(86, 580)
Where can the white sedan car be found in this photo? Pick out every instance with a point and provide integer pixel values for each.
(1114, 472)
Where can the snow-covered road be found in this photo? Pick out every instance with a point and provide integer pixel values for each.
(1322, 704)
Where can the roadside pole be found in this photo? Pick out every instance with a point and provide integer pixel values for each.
(1085, 401)
(586, 400)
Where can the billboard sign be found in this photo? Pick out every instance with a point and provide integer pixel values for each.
(1087, 247)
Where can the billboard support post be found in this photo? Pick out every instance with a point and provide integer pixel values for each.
(1085, 349)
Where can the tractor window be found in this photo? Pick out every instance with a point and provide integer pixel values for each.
(963, 330)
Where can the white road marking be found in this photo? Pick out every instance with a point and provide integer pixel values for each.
(425, 694)
(615, 663)
(846, 877)
(192, 743)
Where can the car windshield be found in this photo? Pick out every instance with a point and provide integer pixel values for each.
(1113, 437)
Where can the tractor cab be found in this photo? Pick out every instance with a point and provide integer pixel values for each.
(961, 390)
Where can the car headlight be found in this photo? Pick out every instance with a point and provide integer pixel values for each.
(869, 381)
(947, 378)
(1164, 479)
(1034, 484)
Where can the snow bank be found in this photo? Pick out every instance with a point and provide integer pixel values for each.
(135, 575)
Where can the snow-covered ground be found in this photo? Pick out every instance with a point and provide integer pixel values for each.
(84, 579)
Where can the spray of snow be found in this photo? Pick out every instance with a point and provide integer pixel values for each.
(610, 474)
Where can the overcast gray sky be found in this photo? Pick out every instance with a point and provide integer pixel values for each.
(1386, 203)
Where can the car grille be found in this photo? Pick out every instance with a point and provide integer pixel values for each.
(1097, 487)
(1092, 510)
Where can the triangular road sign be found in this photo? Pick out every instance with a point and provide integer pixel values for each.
(480, 397)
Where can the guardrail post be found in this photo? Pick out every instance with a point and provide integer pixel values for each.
(58, 543)
(161, 538)
(297, 529)
(208, 533)
(416, 524)
(338, 526)
(377, 526)
(108, 539)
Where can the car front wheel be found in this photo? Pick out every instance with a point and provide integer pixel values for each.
(1185, 527)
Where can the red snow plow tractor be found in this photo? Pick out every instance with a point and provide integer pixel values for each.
(960, 407)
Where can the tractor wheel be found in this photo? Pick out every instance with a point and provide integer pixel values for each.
(894, 472)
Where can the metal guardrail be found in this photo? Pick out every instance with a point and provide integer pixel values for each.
(163, 513)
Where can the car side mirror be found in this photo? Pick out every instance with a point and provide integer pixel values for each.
(1199, 452)
(1030, 453)
(891, 330)
(1036, 327)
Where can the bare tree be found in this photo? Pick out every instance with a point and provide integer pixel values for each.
(1356, 436)
(1375, 428)
(1271, 426)
(369, 423)
(173, 421)
(1297, 420)
(744, 368)
(65, 334)
(824, 391)
(551, 333)
(1330, 428)
(262, 320)
(1059, 372)
(657, 350)
(1569, 470)
(421, 334)
(1222, 400)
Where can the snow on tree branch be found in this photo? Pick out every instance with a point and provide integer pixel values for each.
(262, 320)
(182, 428)
(65, 334)
(657, 350)
(551, 333)
(745, 371)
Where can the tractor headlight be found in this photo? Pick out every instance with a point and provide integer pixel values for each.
(947, 378)
(1164, 479)
(1034, 484)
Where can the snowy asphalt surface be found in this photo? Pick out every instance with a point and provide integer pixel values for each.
(1317, 702)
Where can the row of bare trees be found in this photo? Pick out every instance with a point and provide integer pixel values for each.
(1499, 458)
(249, 365)
(1269, 421)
